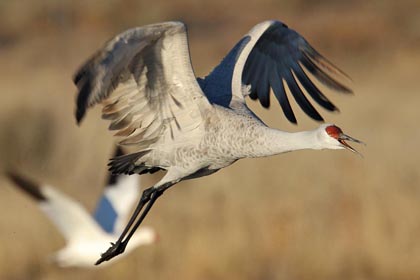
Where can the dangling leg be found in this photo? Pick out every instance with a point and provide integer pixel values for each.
(117, 247)
(149, 196)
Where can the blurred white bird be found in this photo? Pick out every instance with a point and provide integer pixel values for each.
(194, 127)
(87, 236)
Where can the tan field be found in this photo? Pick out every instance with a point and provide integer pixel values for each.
(303, 215)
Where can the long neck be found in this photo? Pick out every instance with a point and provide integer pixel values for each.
(272, 141)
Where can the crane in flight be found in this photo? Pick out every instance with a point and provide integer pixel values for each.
(85, 234)
(192, 127)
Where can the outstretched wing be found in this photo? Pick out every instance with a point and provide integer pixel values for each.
(117, 201)
(70, 217)
(145, 81)
(270, 56)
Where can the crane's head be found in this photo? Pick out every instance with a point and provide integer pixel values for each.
(334, 138)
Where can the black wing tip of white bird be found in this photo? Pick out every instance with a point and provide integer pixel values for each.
(295, 53)
(27, 185)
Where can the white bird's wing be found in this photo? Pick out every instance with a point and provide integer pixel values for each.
(270, 55)
(70, 217)
(117, 201)
(145, 81)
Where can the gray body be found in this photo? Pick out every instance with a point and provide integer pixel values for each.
(194, 127)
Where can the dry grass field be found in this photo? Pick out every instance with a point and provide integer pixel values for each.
(303, 215)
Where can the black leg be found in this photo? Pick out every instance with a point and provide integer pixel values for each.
(119, 247)
(155, 195)
(149, 196)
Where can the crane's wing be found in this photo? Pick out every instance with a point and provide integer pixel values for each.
(117, 201)
(269, 56)
(70, 217)
(145, 81)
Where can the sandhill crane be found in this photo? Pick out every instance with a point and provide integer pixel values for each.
(86, 235)
(193, 127)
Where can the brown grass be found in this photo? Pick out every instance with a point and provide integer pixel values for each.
(304, 215)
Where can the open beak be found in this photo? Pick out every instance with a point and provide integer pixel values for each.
(342, 138)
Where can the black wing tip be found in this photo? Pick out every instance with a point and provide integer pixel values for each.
(25, 184)
(315, 63)
(265, 102)
(291, 118)
(316, 117)
(319, 118)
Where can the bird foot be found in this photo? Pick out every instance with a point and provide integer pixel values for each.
(113, 251)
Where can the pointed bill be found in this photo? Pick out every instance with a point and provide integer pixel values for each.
(342, 138)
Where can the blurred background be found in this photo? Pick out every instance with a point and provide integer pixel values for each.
(303, 215)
